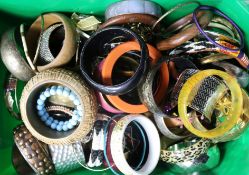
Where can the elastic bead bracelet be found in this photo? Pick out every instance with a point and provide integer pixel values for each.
(49, 120)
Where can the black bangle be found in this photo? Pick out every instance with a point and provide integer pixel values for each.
(95, 46)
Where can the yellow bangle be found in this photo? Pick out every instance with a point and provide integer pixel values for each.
(187, 91)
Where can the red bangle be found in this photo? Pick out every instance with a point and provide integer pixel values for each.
(108, 66)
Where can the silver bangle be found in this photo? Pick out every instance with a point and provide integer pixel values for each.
(13, 58)
(66, 157)
(133, 6)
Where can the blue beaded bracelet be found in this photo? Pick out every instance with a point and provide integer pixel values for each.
(49, 120)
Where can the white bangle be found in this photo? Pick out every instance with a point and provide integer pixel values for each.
(133, 6)
(116, 145)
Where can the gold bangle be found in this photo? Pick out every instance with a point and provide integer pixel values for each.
(188, 90)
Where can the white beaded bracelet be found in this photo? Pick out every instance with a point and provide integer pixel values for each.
(116, 145)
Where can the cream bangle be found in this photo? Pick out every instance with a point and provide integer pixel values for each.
(116, 145)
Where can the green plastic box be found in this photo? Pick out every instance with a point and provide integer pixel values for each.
(234, 155)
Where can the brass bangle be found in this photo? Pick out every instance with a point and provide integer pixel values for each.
(33, 151)
(187, 150)
(190, 88)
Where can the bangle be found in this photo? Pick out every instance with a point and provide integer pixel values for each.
(187, 150)
(12, 56)
(11, 95)
(204, 46)
(56, 124)
(185, 35)
(172, 10)
(19, 163)
(203, 163)
(131, 7)
(181, 23)
(45, 54)
(117, 145)
(66, 157)
(107, 35)
(96, 155)
(241, 124)
(241, 75)
(179, 64)
(184, 100)
(105, 105)
(146, 96)
(107, 68)
(217, 57)
(69, 43)
(222, 27)
(217, 11)
(33, 151)
(129, 18)
(63, 78)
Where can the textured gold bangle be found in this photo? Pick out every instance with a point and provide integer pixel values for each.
(188, 92)
(33, 151)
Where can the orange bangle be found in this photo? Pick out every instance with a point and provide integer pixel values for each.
(107, 68)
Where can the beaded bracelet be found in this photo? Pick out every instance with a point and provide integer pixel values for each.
(50, 121)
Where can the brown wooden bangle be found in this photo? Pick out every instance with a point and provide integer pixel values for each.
(129, 18)
(69, 46)
(185, 35)
(179, 24)
(33, 151)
